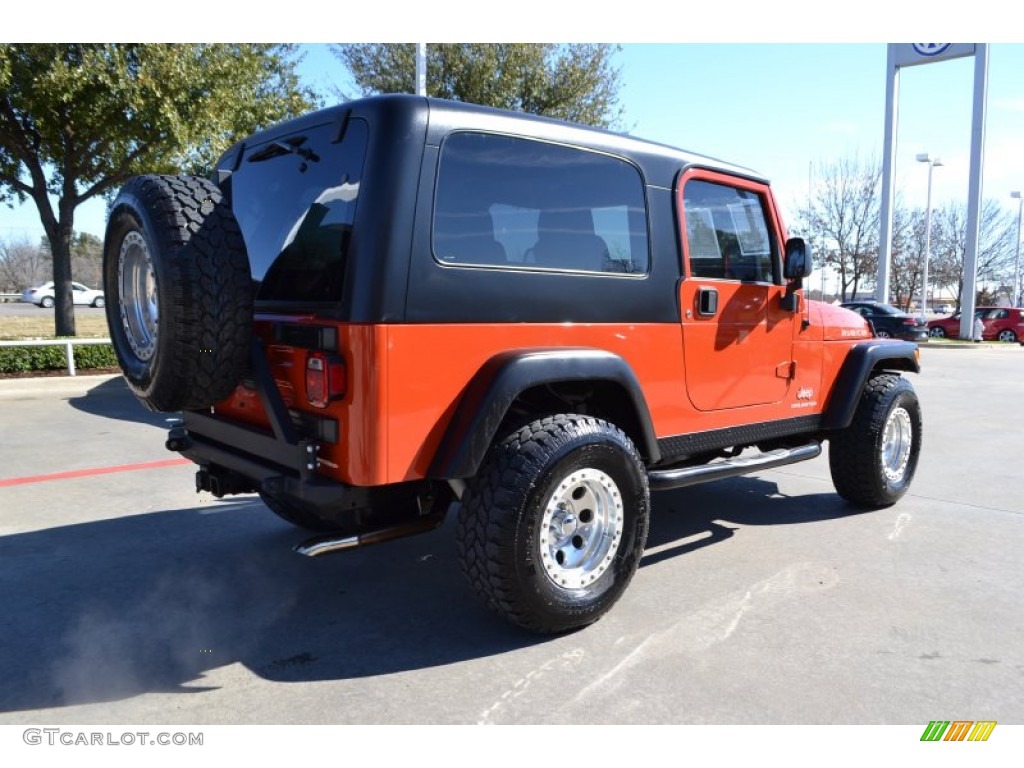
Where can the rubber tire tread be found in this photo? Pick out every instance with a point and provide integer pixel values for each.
(488, 524)
(204, 291)
(853, 456)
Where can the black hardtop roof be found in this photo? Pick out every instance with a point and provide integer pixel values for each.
(444, 116)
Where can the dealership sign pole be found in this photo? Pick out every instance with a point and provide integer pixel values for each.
(909, 55)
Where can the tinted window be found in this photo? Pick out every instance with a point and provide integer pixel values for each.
(516, 203)
(295, 199)
(727, 233)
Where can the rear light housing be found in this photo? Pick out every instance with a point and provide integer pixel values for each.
(325, 379)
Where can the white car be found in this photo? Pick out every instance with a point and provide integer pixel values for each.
(80, 294)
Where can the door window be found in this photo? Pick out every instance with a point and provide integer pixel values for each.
(727, 233)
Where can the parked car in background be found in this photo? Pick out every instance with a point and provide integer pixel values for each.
(888, 322)
(43, 296)
(1004, 324)
(1001, 324)
(944, 309)
(949, 327)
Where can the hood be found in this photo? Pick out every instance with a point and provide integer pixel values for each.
(840, 324)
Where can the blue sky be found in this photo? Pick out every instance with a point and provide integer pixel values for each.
(779, 109)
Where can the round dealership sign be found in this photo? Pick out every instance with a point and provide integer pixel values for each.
(930, 49)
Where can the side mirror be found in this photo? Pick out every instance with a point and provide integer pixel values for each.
(797, 263)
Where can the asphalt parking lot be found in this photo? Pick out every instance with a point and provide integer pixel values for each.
(763, 599)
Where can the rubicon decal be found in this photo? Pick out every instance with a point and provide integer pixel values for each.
(958, 730)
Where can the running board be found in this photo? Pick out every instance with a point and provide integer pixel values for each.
(665, 479)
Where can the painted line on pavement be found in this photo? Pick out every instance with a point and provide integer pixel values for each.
(94, 471)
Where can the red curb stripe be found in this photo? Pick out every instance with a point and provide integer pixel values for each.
(94, 471)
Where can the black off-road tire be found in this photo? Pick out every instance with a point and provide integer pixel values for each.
(536, 483)
(296, 515)
(873, 460)
(178, 290)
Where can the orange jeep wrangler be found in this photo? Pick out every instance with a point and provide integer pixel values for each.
(396, 303)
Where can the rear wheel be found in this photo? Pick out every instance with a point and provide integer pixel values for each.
(874, 459)
(883, 334)
(99, 302)
(175, 268)
(46, 303)
(552, 528)
(1008, 336)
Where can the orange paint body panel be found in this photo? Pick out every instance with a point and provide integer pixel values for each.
(403, 389)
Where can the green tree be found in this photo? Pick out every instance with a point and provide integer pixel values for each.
(76, 120)
(577, 82)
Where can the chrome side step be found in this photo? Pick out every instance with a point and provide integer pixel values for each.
(665, 479)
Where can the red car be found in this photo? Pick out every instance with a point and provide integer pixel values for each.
(1001, 323)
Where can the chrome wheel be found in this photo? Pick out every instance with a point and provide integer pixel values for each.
(897, 440)
(581, 528)
(1007, 336)
(936, 332)
(137, 300)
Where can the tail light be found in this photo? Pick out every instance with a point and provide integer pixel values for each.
(910, 321)
(325, 379)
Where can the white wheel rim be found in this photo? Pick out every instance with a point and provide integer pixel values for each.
(137, 295)
(897, 440)
(581, 529)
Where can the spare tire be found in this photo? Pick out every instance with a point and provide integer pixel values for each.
(179, 292)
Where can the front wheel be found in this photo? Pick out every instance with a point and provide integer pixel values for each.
(552, 528)
(46, 303)
(937, 332)
(874, 459)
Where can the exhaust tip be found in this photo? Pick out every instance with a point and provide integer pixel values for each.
(325, 545)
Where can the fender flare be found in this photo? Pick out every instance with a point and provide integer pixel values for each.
(886, 355)
(489, 395)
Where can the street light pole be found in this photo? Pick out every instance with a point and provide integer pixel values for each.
(1016, 262)
(932, 162)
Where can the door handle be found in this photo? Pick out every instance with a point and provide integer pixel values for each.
(707, 302)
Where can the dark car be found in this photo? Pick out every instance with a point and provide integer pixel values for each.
(888, 322)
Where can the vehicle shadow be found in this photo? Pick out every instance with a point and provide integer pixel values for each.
(113, 400)
(700, 516)
(109, 609)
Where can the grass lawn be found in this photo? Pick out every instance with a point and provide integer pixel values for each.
(14, 327)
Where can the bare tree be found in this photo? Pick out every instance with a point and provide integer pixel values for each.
(842, 219)
(22, 265)
(908, 245)
(996, 240)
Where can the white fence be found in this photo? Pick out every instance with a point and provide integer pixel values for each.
(68, 344)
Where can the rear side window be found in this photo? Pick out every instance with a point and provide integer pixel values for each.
(727, 233)
(295, 200)
(521, 204)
